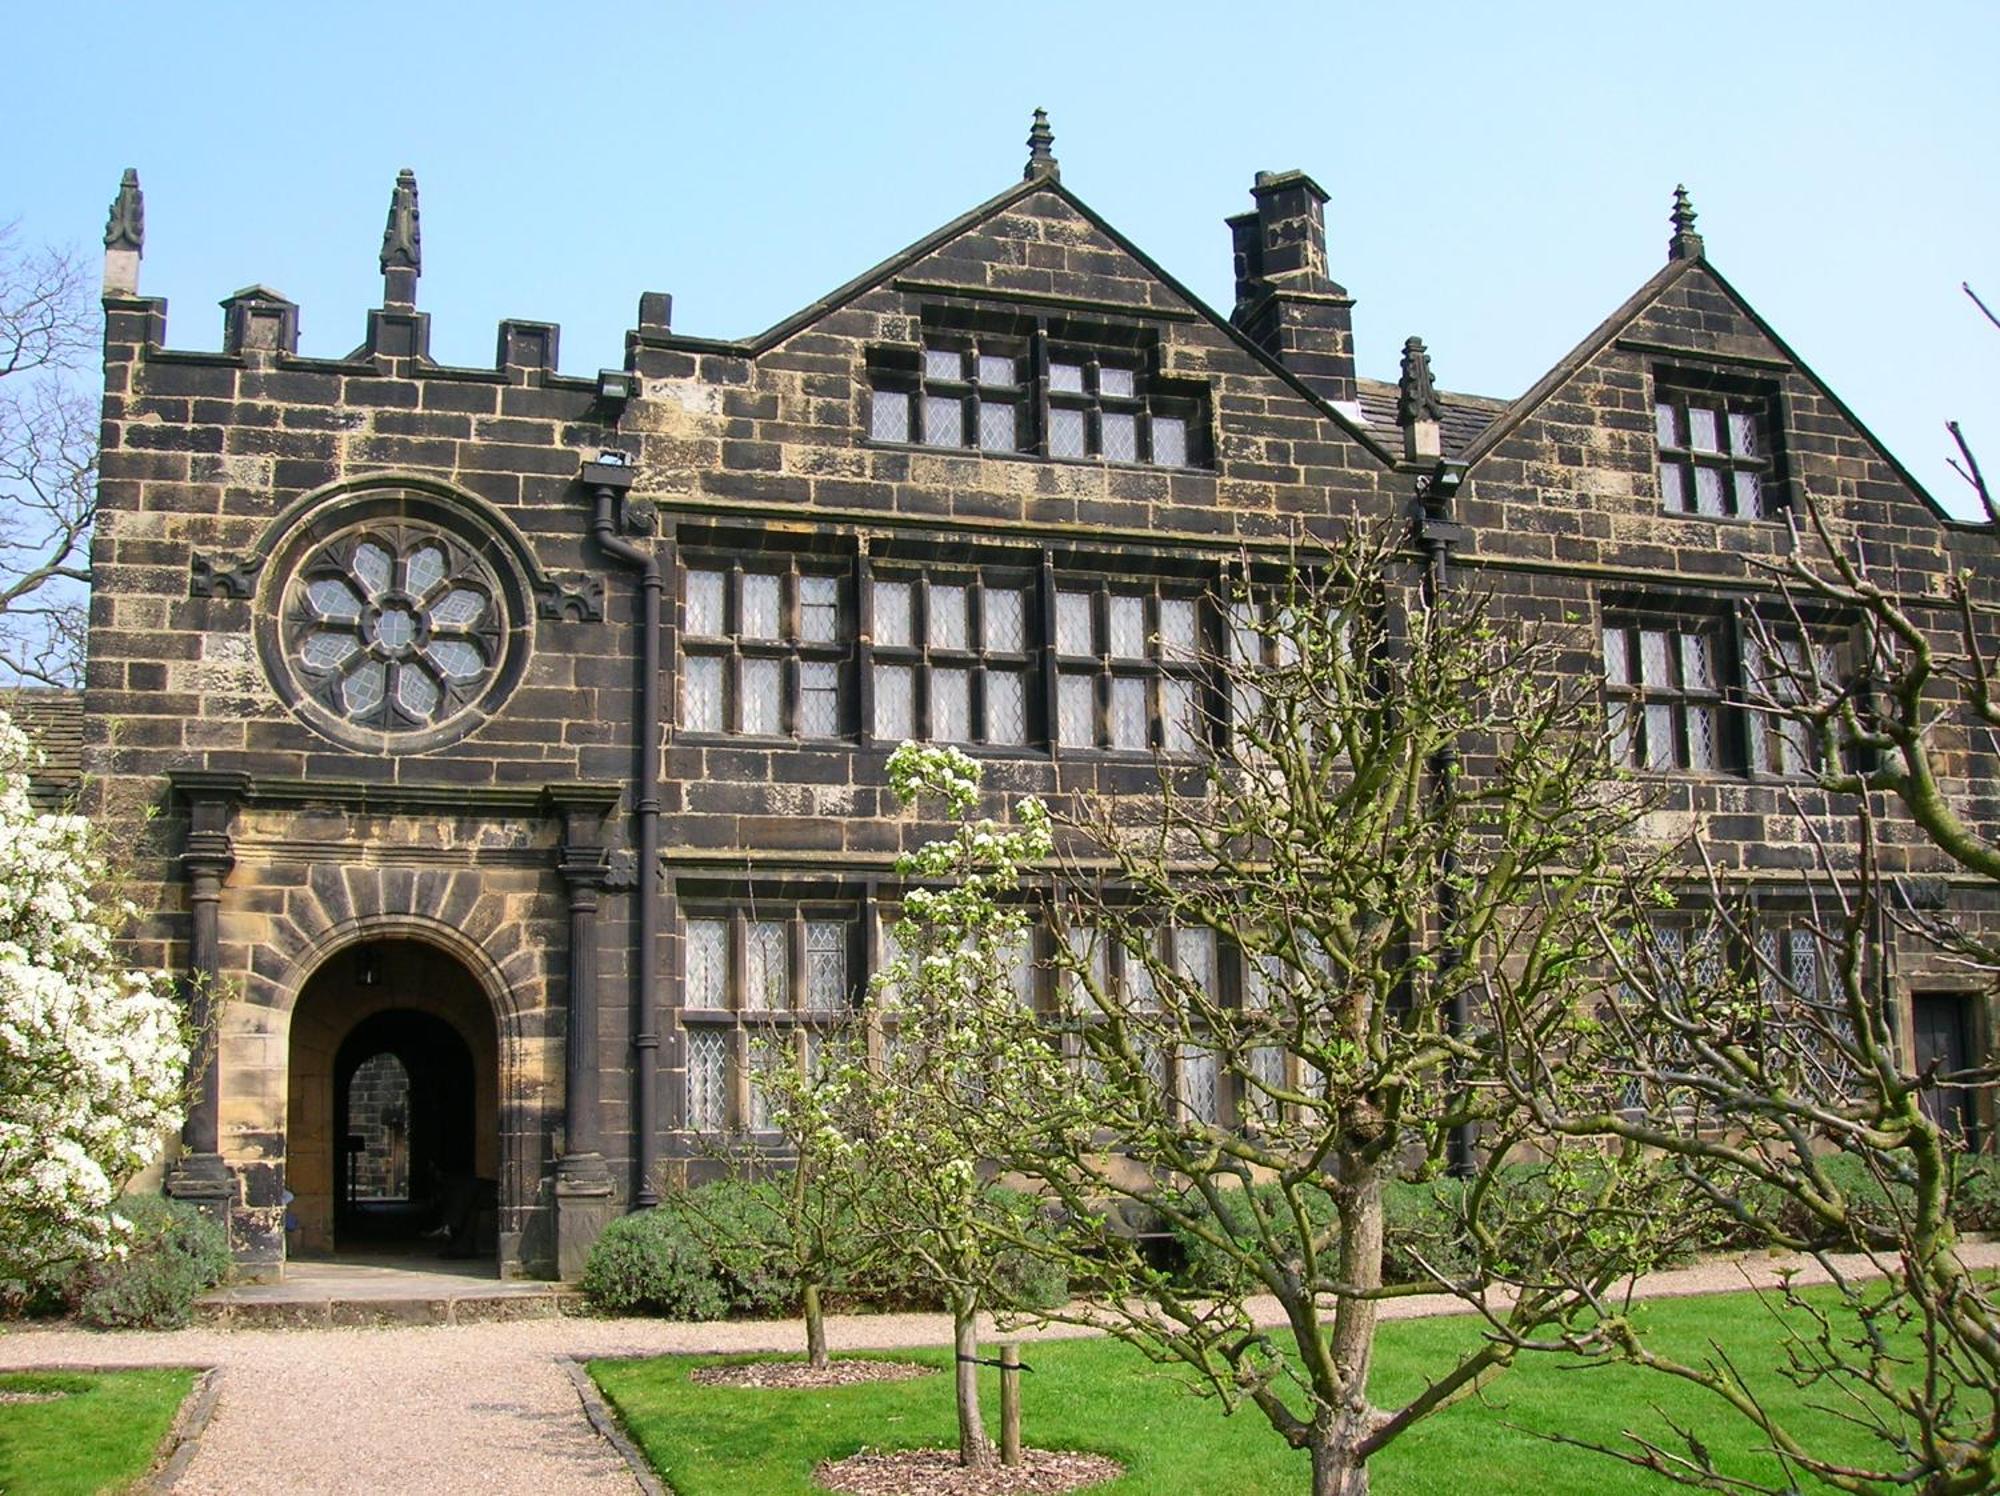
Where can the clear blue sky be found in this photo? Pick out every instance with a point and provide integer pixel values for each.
(1500, 174)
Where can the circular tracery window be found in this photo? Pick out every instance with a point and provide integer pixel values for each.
(394, 627)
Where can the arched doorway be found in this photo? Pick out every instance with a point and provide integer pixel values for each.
(393, 1109)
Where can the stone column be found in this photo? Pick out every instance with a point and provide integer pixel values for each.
(199, 1175)
(584, 1197)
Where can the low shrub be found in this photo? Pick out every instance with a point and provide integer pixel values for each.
(742, 1226)
(174, 1253)
(651, 1263)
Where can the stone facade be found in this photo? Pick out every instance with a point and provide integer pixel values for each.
(942, 498)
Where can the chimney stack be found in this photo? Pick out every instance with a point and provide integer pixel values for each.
(1285, 301)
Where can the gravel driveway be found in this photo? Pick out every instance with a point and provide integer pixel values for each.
(490, 1408)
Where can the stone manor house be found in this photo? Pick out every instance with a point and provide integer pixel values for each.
(514, 742)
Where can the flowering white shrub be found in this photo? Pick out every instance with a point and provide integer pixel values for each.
(93, 1056)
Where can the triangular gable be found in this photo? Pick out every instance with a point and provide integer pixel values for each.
(897, 263)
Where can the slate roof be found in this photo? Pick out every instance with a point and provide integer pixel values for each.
(54, 719)
(1464, 416)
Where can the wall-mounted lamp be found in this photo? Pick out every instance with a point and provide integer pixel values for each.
(617, 386)
(367, 968)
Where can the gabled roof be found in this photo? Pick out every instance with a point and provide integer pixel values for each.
(1461, 417)
(869, 279)
(53, 720)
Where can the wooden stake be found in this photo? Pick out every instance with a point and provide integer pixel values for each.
(1010, 1403)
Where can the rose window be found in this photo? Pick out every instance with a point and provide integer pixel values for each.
(394, 627)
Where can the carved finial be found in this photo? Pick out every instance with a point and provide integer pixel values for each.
(126, 228)
(1686, 243)
(1416, 395)
(1041, 150)
(402, 239)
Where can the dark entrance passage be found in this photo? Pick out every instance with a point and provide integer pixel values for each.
(1944, 1038)
(393, 1113)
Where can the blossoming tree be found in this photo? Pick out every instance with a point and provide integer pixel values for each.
(93, 1055)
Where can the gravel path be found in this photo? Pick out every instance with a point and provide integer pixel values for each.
(490, 1408)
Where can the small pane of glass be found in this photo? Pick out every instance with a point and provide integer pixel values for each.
(1664, 424)
(707, 1079)
(944, 363)
(1170, 441)
(1121, 435)
(1246, 643)
(1660, 749)
(1128, 626)
(759, 614)
(946, 623)
(1198, 1089)
(707, 984)
(892, 614)
(1655, 661)
(1180, 733)
(1673, 487)
(759, 696)
(459, 608)
(372, 565)
(416, 692)
(895, 714)
(1004, 614)
(1743, 433)
(766, 966)
(363, 690)
(995, 368)
(394, 627)
(332, 598)
(1704, 431)
(1701, 737)
(1617, 658)
(951, 706)
(819, 699)
(1066, 432)
(1708, 491)
(324, 650)
(1018, 952)
(1697, 663)
(1749, 493)
(1128, 713)
(1177, 628)
(1618, 727)
(1194, 956)
(1006, 708)
(944, 421)
(819, 609)
(1067, 378)
(426, 569)
(459, 660)
(704, 604)
(701, 694)
(1142, 994)
(889, 416)
(996, 426)
(1115, 382)
(826, 965)
(1076, 725)
(1073, 632)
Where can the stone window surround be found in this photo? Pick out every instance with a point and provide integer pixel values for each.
(987, 651)
(1722, 390)
(916, 387)
(796, 651)
(1671, 667)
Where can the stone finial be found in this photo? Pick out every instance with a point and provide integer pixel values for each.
(1686, 243)
(402, 258)
(1041, 150)
(1416, 395)
(125, 237)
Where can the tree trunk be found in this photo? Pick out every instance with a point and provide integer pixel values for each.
(974, 1448)
(1336, 1471)
(1345, 1420)
(815, 1327)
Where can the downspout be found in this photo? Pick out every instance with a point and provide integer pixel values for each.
(607, 480)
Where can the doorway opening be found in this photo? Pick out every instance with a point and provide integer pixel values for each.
(393, 1136)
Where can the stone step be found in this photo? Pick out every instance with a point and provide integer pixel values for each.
(267, 1311)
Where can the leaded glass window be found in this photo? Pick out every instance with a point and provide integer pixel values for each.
(1663, 693)
(949, 655)
(1715, 453)
(707, 1079)
(764, 650)
(1128, 666)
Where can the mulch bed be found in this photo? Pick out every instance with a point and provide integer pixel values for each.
(937, 1472)
(794, 1375)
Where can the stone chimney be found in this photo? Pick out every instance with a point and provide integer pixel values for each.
(1285, 300)
(125, 237)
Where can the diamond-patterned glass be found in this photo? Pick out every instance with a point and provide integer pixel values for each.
(1198, 1087)
(1128, 627)
(707, 1079)
(1067, 378)
(1655, 658)
(1803, 950)
(895, 714)
(1181, 733)
(1128, 713)
(363, 689)
(759, 696)
(1708, 491)
(944, 363)
(819, 609)
(1743, 433)
(1704, 431)
(1673, 487)
(1073, 633)
(704, 604)
(459, 608)
(1153, 1059)
(1006, 707)
(944, 421)
(1259, 981)
(1618, 727)
(323, 650)
(1019, 956)
(1004, 614)
(1660, 748)
(1076, 725)
(1697, 662)
(707, 984)
(1617, 657)
(1664, 426)
(1066, 432)
(819, 699)
(425, 570)
(951, 706)
(1115, 382)
(701, 694)
(946, 621)
(1120, 431)
(372, 566)
(1169, 441)
(995, 368)
(1701, 737)
(826, 965)
(1246, 643)
(997, 426)
(1194, 956)
(1090, 951)
(1142, 994)
(892, 614)
(1178, 639)
(767, 966)
(759, 617)
(889, 416)
(1267, 1070)
(333, 599)
(416, 692)
(459, 660)
(1749, 493)
(760, 1100)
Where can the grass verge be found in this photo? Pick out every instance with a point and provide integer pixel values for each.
(100, 1435)
(1100, 1396)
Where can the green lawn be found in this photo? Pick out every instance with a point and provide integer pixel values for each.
(102, 1436)
(1097, 1395)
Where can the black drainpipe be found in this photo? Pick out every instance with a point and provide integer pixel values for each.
(607, 479)
(1437, 533)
